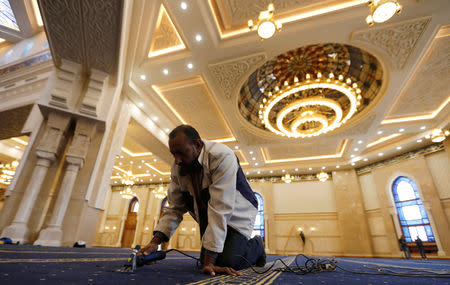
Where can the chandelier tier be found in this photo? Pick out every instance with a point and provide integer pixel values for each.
(160, 192)
(311, 116)
(438, 135)
(322, 176)
(7, 172)
(127, 193)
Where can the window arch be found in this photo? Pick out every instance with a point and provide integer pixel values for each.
(411, 212)
(134, 205)
(163, 204)
(258, 228)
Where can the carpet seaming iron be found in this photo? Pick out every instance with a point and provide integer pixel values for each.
(138, 260)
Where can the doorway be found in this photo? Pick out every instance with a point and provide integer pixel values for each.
(129, 229)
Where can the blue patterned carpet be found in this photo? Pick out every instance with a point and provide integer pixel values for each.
(49, 265)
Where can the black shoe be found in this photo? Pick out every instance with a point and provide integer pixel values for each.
(261, 261)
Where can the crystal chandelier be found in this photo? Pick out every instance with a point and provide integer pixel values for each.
(382, 10)
(303, 118)
(322, 176)
(128, 179)
(438, 135)
(160, 192)
(7, 172)
(127, 193)
(287, 178)
(266, 26)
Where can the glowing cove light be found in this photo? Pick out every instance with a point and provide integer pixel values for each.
(301, 112)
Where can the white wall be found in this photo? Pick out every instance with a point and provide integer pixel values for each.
(304, 197)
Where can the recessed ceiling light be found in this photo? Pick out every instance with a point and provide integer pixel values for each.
(323, 167)
(353, 163)
(365, 159)
(143, 161)
(284, 170)
(356, 149)
(352, 156)
(423, 127)
(155, 160)
(253, 158)
(167, 130)
(143, 77)
(271, 171)
(251, 152)
(198, 37)
(139, 166)
(165, 71)
(121, 156)
(183, 5)
(379, 132)
(259, 172)
(401, 130)
(296, 169)
(151, 179)
(337, 166)
(399, 147)
(380, 154)
(120, 163)
(154, 175)
(256, 164)
(190, 65)
(360, 141)
(247, 173)
(236, 147)
(160, 179)
(310, 168)
(148, 171)
(17, 146)
(131, 162)
(142, 180)
(115, 182)
(117, 173)
(140, 104)
(155, 118)
(419, 140)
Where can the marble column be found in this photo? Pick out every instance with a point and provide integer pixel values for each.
(75, 157)
(49, 145)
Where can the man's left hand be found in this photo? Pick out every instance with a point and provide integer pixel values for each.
(212, 270)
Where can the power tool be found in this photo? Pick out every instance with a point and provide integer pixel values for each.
(138, 260)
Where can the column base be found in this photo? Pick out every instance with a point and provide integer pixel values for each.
(50, 237)
(17, 232)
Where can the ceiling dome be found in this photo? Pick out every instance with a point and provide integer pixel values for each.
(311, 90)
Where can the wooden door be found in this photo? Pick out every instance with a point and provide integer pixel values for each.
(129, 230)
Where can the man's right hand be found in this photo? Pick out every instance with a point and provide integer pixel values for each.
(149, 248)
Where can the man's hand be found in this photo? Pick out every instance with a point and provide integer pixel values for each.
(212, 270)
(152, 246)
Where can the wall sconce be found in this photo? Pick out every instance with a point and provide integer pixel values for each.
(266, 26)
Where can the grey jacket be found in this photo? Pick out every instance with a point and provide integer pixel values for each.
(226, 207)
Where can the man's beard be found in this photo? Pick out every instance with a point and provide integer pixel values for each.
(192, 167)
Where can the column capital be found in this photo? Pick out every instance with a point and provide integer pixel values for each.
(45, 156)
(74, 163)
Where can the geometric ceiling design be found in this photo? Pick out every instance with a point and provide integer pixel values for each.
(166, 38)
(339, 64)
(7, 18)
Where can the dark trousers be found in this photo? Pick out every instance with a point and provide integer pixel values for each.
(237, 246)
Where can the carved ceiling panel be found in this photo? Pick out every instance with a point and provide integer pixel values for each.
(12, 121)
(429, 86)
(200, 110)
(84, 31)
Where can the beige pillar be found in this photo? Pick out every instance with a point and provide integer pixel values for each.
(75, 156)
(446, 144)
(47, 150)
(355, 236)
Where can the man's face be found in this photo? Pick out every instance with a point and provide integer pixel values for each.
(184, 151)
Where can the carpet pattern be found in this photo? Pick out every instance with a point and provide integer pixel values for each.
(21, 264)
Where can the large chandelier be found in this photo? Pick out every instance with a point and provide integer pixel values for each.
(127, 193)
(160, 192)
(382, 10)
(266, 26)
(7, 172)
(128, 179)
(322, 176)
(438, 135)
(309, 116)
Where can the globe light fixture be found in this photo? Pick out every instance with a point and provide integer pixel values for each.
(266, 26)
(438, 135)
(322, 176)
(382, 10)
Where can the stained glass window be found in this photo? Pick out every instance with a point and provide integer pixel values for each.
(7, 18)
(258, 228)
(411, 212)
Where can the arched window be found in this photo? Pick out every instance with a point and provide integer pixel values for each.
(134, 205)
(411, 212)
(258, 228)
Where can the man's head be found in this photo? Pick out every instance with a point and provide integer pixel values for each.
(185, 145)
